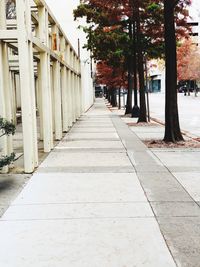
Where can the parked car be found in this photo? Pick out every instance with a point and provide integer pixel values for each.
(98, 91)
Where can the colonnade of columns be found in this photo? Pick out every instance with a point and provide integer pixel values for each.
(39, 75)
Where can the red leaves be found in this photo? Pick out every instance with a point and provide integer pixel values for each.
(111, 28)
(112, 77)
(188, 61)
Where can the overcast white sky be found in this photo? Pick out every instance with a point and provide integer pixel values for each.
(195, 10)
(63, 11)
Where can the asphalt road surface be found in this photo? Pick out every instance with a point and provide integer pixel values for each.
(189, 111)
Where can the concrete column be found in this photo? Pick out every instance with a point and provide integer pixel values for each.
(80, 96)
(57, 100)
(37, 94)
(48, 41)
(39, 82)
(63, 48)
(69, 96)
(13, 94)
(33, 99)
(27, 86)
(44, 83)
(64, 98)
(76, 96)
(52, 98)
(68, 54)
(44, 77)
(73, 60)
(73, 97)
(41, 30)
(7, 90)
(3, 140)
(18, 92)
(5, 108)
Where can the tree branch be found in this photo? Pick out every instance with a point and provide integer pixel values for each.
(175, 3)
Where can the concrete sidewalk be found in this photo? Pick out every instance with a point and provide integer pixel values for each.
(101, 199)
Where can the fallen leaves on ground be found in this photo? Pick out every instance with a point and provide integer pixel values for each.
(192, 143)
(143, 124)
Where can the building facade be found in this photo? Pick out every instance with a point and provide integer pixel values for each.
(40, 78)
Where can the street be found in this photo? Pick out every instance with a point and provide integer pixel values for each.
(189, 111)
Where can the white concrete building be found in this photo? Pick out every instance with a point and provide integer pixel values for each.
(156, 75)
(63, 11)
(41, 77)
(194, 19)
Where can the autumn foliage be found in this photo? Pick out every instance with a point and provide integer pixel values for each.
(120, 33)
(112, 77)
(188, 61)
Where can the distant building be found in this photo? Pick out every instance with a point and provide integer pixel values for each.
(156, 69)
(194, 21)
(156, 74)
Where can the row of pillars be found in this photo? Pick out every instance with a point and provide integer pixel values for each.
(53, 88)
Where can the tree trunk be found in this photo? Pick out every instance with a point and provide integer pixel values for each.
(109, 95)
(195, 88)
(188, 88)
(130, 86)
(106, 92)
(119, 95)
(172, 127)
(130, 78)
(143, 110)
(136, 109)
(113, 98)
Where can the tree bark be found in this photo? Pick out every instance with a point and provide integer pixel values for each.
(130, 87)
(106, 93)
(143, 110)
(172, 127)
(136, 109)
(130, 78)
(109, 95)
(188, 88)
(113, 97)
(119, 95)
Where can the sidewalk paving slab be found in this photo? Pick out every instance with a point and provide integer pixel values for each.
(182, 234)
(171, 199)
(81, 187)
(86, 210)
(191, 182)
(88, 169)
(93, 144)
(179, 158)
(60, 159)
(92, 130)
(91, 136)
(83, 243)
(99, 208)
(175, 208)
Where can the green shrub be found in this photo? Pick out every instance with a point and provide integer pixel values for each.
(6, 128)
